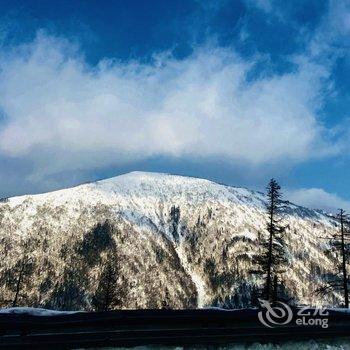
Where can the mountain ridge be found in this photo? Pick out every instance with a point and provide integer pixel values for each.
(182, 241)
(143, 175)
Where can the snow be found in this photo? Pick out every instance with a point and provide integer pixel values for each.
(336, 344)
(343, 310)
(201, 287)
(141, 191)
(34, 311)
(248, 234)
(139, 185)
(212, 216)
(196, 279)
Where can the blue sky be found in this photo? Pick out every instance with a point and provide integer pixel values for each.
(234, 91)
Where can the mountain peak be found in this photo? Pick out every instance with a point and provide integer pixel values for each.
(190, 231)
(185, 190)
(149, 176)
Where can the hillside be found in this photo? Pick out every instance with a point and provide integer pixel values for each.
(181, 242)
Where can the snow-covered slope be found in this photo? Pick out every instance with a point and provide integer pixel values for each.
(181, 242)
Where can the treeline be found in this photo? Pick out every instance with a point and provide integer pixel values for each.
(271, 263)
(98, 252)
(91, 276)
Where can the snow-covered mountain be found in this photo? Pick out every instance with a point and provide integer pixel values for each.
(180, 241)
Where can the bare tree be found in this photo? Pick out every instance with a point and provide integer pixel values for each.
(340, 245)
(21, 275)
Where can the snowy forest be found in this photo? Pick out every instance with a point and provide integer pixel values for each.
(147, 240)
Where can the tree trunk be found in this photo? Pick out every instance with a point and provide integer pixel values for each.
(108, 289)
(345, 278)
(275, 291)
(269, 263)
(18, 287)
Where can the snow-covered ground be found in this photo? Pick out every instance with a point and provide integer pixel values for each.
(338, 344)
(33, 311)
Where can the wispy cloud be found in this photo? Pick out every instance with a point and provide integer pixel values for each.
(61, 116)
(317, 198)
(64, 114)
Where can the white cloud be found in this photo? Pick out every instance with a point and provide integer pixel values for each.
(63, 114)
(338, 20)
(318, 198)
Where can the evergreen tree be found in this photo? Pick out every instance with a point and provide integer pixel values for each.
(272, 260)
(174, 222)
(107, 293)
(340, 245)
(166, 300)
(68, 293)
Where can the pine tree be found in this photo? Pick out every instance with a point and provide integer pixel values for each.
(272, 260)
(340, 245)
(174, 222)
(107, 293)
